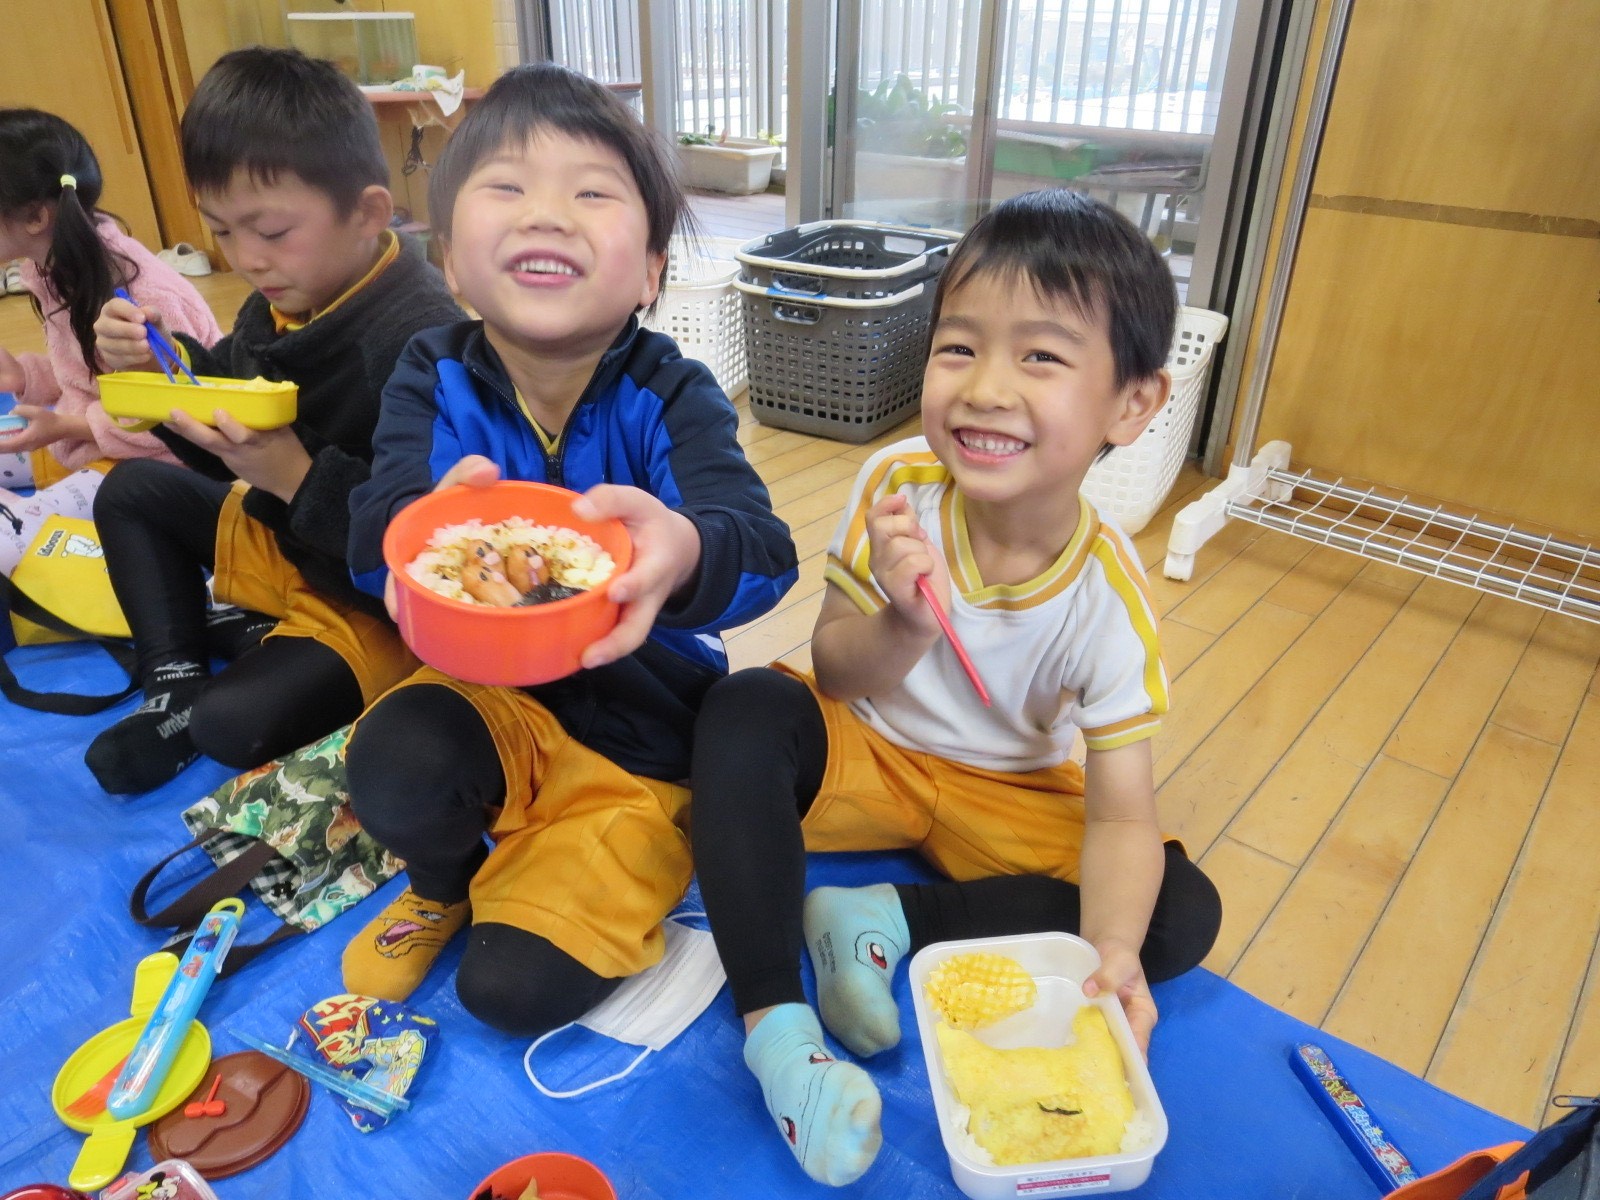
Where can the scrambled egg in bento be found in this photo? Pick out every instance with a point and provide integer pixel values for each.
(1035, 1104)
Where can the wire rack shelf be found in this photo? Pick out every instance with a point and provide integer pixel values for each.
(1540, 569)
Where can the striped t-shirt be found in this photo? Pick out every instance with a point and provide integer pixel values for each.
(1074, 648)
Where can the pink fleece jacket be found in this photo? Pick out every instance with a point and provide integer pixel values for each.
(60, 378)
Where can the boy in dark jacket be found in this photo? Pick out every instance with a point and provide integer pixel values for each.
(557, 207)
(283, 154)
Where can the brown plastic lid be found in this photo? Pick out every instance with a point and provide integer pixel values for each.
(266, 1101)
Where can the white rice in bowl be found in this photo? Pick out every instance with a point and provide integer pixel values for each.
(575, 560)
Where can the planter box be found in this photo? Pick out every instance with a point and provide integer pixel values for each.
(882, 176)
(739, 165)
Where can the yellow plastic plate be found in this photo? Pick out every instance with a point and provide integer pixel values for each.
(106, 1149)
(148, 398)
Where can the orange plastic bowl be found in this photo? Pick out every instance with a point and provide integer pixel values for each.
(559, 1176)
(510, 647)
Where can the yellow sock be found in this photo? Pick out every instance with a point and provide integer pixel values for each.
(392, 955)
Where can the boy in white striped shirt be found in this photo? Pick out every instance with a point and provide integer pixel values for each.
(1050, 331)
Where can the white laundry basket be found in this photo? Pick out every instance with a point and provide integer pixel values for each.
(700, 309)
(1131, 483)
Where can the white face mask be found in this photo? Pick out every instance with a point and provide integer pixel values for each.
(651, 1008)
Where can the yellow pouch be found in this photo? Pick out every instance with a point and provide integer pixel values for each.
(64, 572)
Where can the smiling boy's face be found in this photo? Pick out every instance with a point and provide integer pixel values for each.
(549, 243)
(289, 241)
(1020, 394)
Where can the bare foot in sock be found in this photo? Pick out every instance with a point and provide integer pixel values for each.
(829, 1112)
(856, 937)
(391, 956)
(151, 745)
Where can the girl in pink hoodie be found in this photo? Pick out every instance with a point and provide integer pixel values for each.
(74, 257)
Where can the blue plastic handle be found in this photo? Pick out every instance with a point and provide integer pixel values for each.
(359, 1092)
(151, 1057)
(166, 354)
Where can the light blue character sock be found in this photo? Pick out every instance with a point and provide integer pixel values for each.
(827, 1111)
(857, 937)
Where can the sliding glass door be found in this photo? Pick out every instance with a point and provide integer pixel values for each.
(942, 107)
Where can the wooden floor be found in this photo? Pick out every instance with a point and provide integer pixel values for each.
(1392, 780)
(743, 217)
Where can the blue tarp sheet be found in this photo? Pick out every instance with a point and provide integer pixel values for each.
(688, 1124)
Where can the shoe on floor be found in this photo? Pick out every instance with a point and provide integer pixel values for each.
(186, 259)
(13, 279)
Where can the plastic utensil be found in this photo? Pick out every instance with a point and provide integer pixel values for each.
(94, 1100)
(1382, 1159)
(163, 1033)
(109, 1140)
(166, 354)
(210, 1106)
(385, 1104)
(926, 589)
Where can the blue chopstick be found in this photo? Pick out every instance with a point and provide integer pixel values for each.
(373, 1099)
(166, 355)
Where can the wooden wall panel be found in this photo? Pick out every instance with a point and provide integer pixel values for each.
(1474, 103)
(1460, 362)
(61, 56)
(151, 47)
(1441, 333)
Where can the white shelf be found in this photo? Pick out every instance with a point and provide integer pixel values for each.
(1375, 523)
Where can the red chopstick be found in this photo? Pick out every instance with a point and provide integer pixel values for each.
(955, 643)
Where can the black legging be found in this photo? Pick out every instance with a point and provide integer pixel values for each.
(760, 750)
(424, 774)
(158, 524)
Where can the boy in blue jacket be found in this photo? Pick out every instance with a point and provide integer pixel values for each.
(559, 206)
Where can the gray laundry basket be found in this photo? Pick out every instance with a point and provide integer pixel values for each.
(834, 366)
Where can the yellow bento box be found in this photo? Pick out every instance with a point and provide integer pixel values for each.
(148, 398)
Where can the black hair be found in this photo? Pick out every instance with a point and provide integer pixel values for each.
(530, 99)
(1084, 253)
(269, 111)
(37, 150)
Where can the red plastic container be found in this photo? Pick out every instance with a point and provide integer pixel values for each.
(560, 1177)
(510, 647)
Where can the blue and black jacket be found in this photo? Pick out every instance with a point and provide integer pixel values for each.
(649, 419)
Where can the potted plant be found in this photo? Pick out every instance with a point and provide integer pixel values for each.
(727, 164)
(897, 117)
(910, 144)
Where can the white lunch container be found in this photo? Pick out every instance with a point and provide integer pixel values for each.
(1059, 964)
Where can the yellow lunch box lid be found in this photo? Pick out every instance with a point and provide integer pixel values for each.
(149, 397)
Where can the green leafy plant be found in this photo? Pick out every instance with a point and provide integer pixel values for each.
(897, 117)
(708, 138)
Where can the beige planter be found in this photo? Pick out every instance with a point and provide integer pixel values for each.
(739, 165)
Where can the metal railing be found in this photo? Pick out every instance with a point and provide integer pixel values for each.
(1117, 63)
(730, 58)
(1132, 64)
(598, 37)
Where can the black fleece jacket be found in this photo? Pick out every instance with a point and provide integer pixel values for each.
(340, 362)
